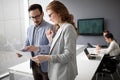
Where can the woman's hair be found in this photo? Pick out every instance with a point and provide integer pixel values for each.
(61, 9)
(109, 35)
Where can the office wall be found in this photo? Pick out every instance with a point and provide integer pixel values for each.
(107, 9)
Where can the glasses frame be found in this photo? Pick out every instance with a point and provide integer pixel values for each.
(50, 14)
(35, 17)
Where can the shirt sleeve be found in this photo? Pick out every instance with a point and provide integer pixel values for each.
(44, 49)
(109, 49)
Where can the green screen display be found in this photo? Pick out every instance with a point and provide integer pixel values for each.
(92, 26)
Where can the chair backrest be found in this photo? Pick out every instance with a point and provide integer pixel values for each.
(118, 58)
(111, 65)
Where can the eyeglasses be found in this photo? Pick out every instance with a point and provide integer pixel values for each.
(35, 17)
(50, 14)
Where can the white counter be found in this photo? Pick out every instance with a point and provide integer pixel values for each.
(86, 67)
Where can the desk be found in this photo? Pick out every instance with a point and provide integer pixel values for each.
(80, 48)
(86, 67)
(24, 68)
(21, 69)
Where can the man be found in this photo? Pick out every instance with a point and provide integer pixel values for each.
(37, 42)
(105, 32)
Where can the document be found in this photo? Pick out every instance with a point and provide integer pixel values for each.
(23, 52)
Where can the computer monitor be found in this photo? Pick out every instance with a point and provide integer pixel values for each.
(91, 26)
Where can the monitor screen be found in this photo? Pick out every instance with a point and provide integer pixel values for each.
(92, 26)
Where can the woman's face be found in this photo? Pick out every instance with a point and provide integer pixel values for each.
(108, 40)
(54, 17)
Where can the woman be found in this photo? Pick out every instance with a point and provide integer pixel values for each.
(113, 48)
(62, 56)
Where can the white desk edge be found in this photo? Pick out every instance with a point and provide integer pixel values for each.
(22, 69)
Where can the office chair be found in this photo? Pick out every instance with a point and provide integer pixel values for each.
(90, 45)
(118, 58)
(109, 67)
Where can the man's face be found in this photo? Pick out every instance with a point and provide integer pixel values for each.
(36, 16)
(104, 33)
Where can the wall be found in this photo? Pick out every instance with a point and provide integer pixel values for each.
(107, 9)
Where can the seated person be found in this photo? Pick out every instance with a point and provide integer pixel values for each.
(113, 48)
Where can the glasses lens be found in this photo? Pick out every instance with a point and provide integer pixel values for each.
(50, 14)
(35, 17)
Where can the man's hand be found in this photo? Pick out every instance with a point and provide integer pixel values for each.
(31, 48)
(19, 55)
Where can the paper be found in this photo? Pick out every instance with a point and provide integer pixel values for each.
(23, 52)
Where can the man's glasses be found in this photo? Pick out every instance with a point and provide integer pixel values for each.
(35, 17)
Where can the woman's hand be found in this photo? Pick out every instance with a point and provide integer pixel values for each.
(98, 47)
(41, 58)
(19, 55)
(49, 35)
